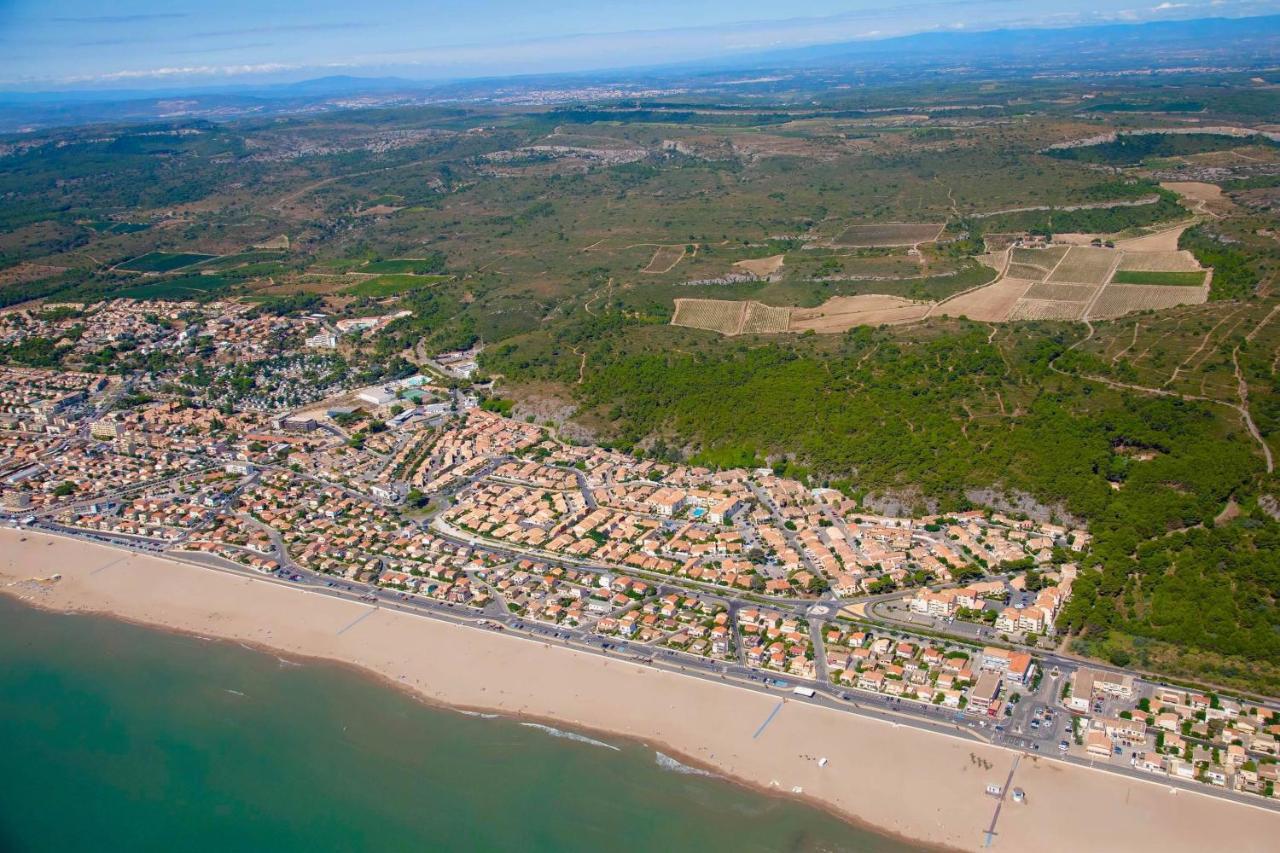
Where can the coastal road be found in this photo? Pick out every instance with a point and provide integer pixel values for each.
(868, 705)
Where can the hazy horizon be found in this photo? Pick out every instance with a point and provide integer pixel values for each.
(149, 44)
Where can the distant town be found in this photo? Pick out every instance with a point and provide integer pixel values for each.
(267, 459)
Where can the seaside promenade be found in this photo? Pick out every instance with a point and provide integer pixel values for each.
(924, 782)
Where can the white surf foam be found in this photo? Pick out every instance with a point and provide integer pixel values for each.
(554, 732)
(666, 762)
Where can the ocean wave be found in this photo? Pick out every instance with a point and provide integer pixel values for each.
(554, 732)
(480, 715)
(666, 762)
(229, 690)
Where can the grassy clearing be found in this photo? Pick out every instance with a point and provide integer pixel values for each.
(390, 285)
(1167, 278)
(109, 227)
(164, 261)
(891, 234)
(664, 259)
(404, 266)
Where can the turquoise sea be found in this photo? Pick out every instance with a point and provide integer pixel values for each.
(115, 737)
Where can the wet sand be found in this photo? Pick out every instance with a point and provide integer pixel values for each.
(923, 786)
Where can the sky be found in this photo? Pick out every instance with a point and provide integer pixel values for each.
(76, 44)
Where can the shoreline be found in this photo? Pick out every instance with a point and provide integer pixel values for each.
(551, 724)
(883, 777)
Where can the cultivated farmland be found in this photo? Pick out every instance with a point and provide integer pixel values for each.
(180, 287)
(990, 304)
(1165, 240)
(1159, 261)
(1078, 273)
(842, 313)
(1045, 258)
(163, 261)
(389, 285)
(715, 315)
(1046, 309)
(889, 234)
(1026, 271)
(1034, 264)
(1085, 265)
(1159, 277)
(838, 314)
(1120, 299)
(1062, 292)
(765, 319)
(406, 266)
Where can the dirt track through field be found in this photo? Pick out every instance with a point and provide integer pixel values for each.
(1241, 408)
(1098, 205)
(841, 313)
(664, 260)
(761, 267)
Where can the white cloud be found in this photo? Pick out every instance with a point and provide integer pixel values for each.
(182, 71)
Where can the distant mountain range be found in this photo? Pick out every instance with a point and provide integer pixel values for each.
(1234, 42)
(1118, 45)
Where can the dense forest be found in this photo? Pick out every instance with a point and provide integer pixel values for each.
(936, 420)
(1098, 220)
(1200, 602)
(1136, 148)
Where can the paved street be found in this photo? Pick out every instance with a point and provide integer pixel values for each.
(1013, 732)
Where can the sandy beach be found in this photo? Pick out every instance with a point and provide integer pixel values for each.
(925, 787)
